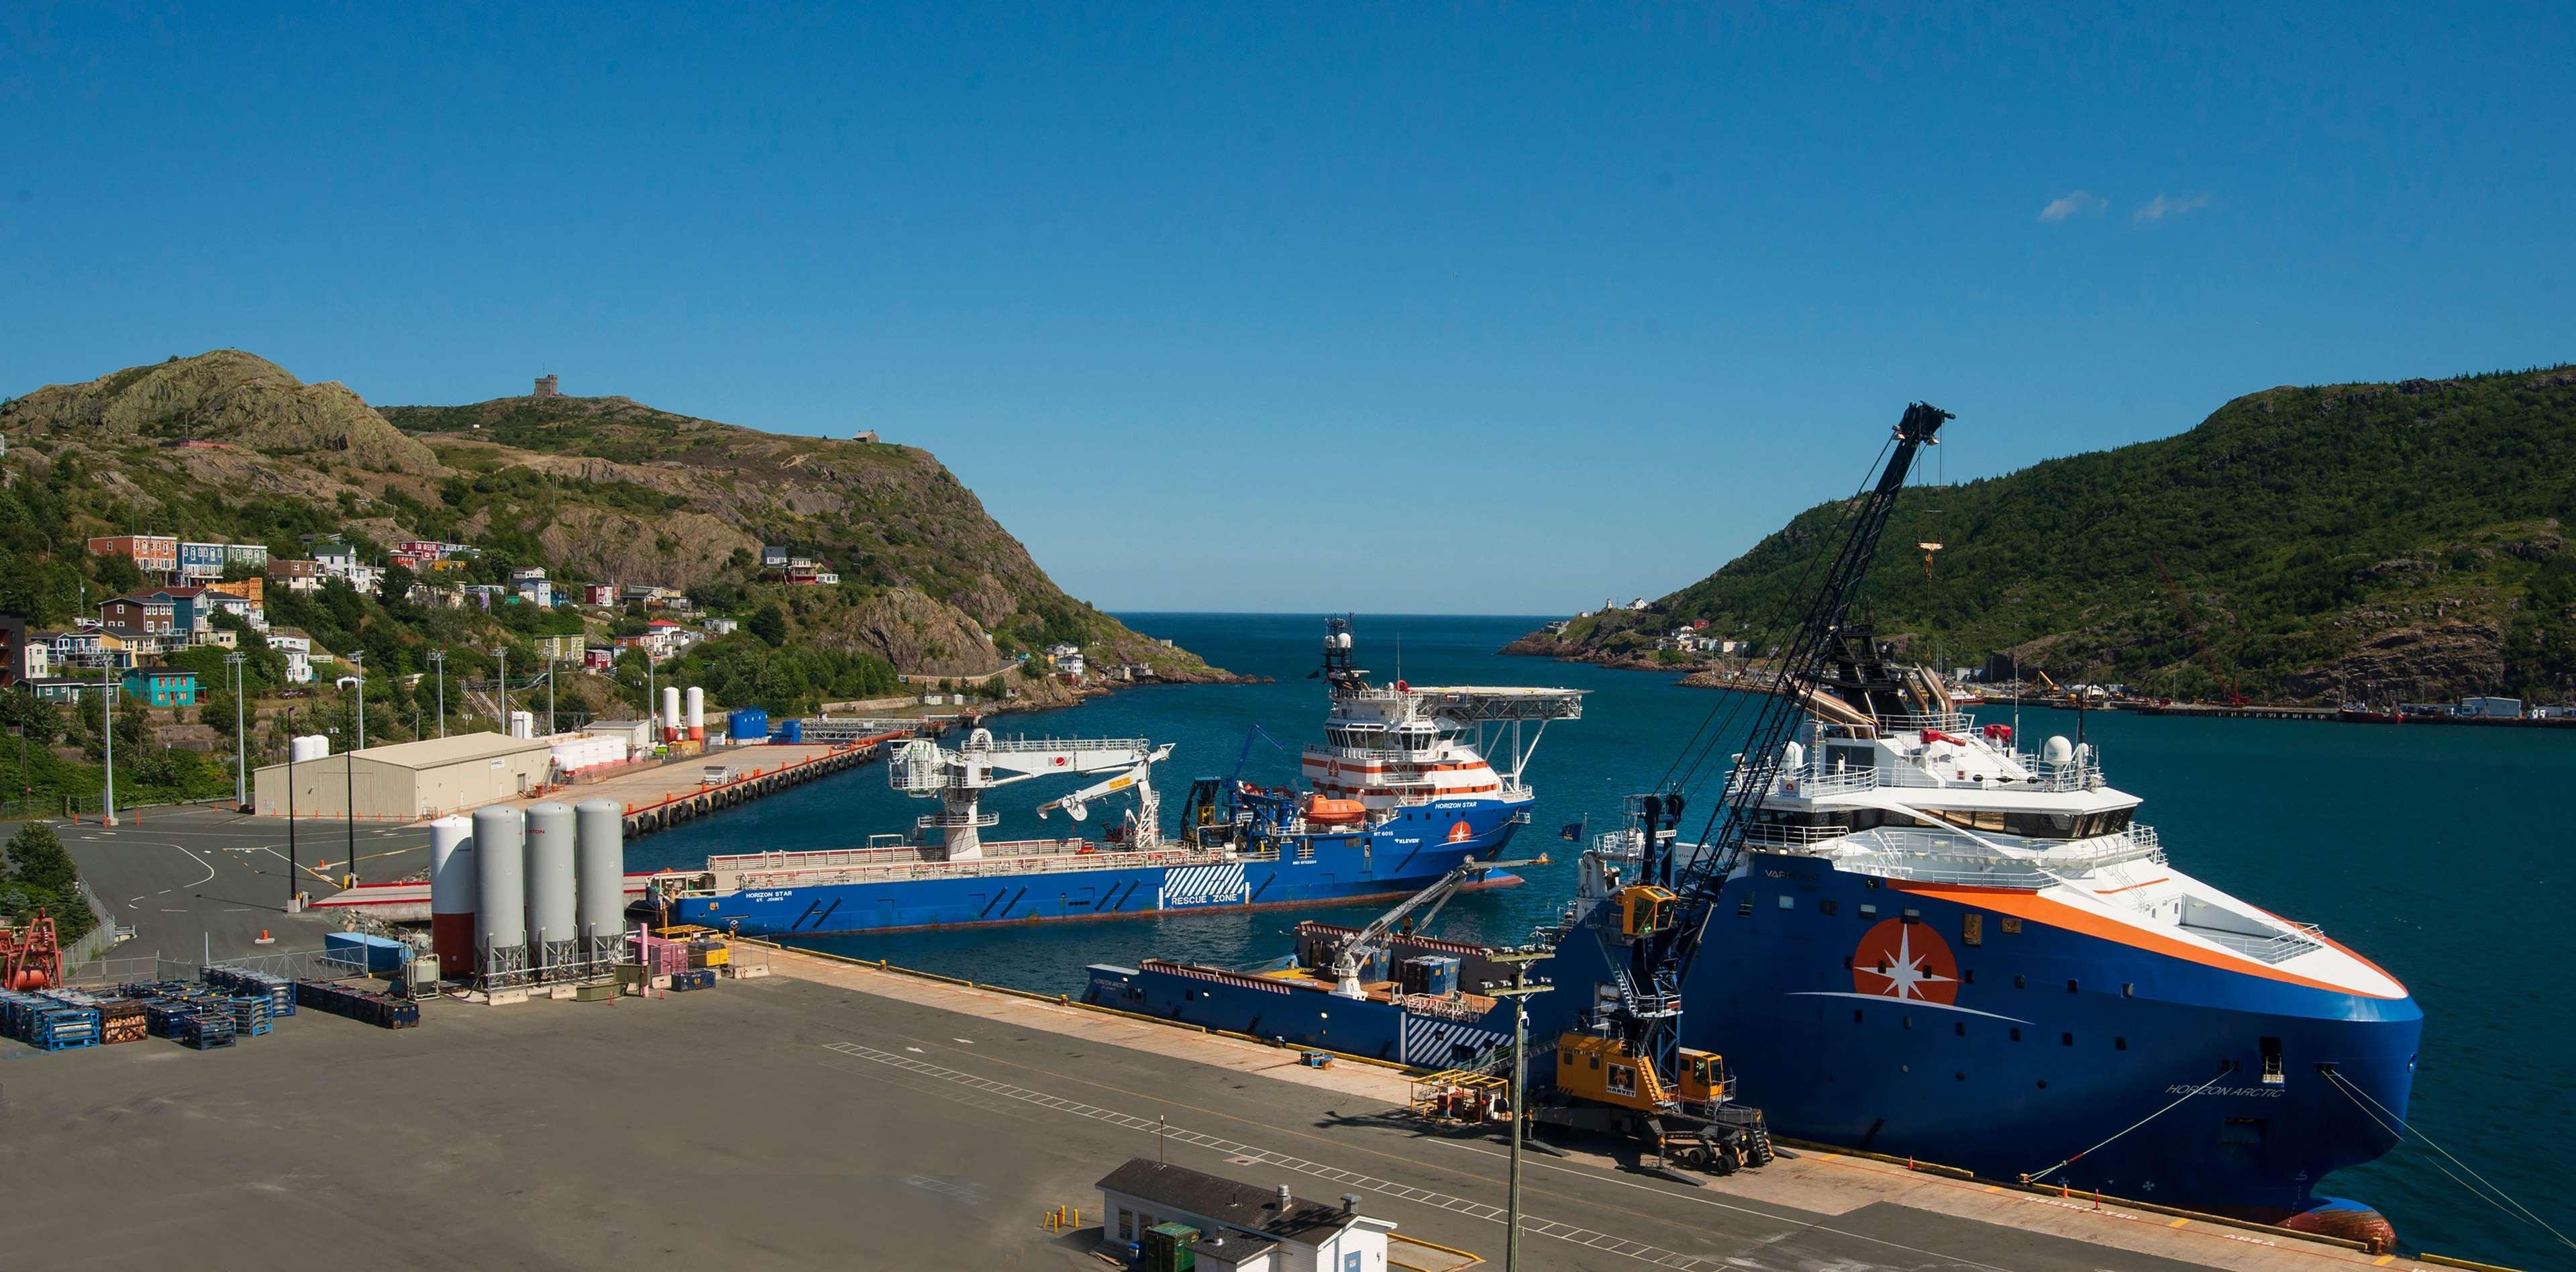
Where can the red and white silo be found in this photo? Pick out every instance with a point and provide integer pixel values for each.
(697, 714)
(451, 894)
(670, 713)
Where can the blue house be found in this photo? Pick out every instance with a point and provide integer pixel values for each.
(162, 686)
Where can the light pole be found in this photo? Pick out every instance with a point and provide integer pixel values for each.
(241, 746)
(107, 730)
(349, 765)
(550, 690)
(501, 689)
(438, 659)
(291, 867)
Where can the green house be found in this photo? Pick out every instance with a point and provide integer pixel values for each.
(162, 686)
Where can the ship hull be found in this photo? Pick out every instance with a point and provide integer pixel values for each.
(1396, 858)
(1300, 1016)
(2055, 1044)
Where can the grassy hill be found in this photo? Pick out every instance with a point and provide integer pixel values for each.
(2345, 541)
(228, 445)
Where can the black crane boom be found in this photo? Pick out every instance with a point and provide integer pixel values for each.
(1801, 673)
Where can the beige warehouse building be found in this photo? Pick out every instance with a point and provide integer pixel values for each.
(410, 780)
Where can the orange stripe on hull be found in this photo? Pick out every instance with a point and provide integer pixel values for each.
(2057, 914)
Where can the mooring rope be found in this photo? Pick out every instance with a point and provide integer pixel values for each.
(2508, 1203)
(2130, 1127)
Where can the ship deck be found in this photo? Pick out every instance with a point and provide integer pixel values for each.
(740, 871)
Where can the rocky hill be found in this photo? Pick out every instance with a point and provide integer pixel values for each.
(2353, 541)
(229, 444)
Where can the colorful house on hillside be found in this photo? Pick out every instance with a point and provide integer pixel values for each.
(150, 615)
(152, 553)
(162, 686)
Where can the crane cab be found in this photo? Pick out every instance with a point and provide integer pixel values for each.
(1601, 1070)
(1645, 909)
(1703, 1078)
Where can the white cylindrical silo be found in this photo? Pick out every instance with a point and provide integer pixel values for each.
(309, 747)
(602, 882)
(523, 724)
(697, 714)
(500, 894)
(451, 894)
(552, 915)
(670, 713)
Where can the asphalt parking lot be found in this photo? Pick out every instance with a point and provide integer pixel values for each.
(190, 879)
(784, 1123)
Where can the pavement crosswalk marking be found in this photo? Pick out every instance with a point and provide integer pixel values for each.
(1247, 1154)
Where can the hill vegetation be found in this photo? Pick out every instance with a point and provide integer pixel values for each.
(2343, 542)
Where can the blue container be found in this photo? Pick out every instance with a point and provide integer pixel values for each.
(789, 731)
(374, 953)
(1435, 974)
(746, 723)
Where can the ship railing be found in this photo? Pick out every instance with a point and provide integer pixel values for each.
(982, 867)
(1445, 1007)
(2139, 842)
(1983, 872)
(946, 819)
(1778, 836)
(1956, 723)
(2281, 947)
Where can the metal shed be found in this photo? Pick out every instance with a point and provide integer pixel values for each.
(410, 780)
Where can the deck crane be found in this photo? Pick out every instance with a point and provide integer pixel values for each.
(1354, 952)
(1664, 921)
(959, 778)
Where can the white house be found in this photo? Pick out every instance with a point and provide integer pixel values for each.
(1067, 658)
(537, 592)
(720, 626)
(1242, 1227)
(299, 655)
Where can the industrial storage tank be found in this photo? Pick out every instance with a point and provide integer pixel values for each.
(552, 915)
(602, 881)
(670, 713)
(311, 746)
(451, 892)
(523, 724)
(697, 714)
(500, 894)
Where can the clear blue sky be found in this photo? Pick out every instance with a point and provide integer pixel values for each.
(1280, 307)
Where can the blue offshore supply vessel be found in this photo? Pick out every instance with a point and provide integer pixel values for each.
(1399, 793)
(1908, 935)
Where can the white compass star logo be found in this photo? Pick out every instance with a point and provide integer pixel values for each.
(1908, 972)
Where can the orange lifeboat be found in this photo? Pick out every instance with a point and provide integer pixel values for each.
(1335, 812)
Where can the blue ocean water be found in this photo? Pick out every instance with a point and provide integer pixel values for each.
(2427, 850)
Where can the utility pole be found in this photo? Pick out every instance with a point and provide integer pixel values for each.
(550, 690)
(502, 691)
(291, 867)
(438, 659)
(1520, 991)
(241, 743)
(349, 766)
(107, 730)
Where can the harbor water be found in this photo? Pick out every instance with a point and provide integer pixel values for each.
(2427, 850)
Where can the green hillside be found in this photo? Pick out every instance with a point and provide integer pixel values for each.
(2349, 541)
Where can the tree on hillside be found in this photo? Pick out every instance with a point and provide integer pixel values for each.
(117, 574)
(770, 624)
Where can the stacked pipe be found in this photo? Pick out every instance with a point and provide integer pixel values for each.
(452, 893)
(697, 714)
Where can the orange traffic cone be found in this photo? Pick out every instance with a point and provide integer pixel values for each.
(265, 938)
